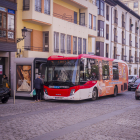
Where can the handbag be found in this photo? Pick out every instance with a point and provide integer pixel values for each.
(7, 85)
(31, 94)
(34, 92)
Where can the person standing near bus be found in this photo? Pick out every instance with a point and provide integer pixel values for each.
(37, 86)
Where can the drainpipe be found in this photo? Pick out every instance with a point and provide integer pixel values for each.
(111, 34)
(138, 49)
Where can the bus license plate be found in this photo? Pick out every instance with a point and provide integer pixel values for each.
(56, 86)
(58, 97)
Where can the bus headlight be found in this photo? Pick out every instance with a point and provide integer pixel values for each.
(46, 92)
(72, 92)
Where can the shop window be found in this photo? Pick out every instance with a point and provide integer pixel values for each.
(115, 71)
(105, 70)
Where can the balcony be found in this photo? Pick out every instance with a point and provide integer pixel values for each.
(116, 21)
(115, 39)
(107, 36)
(136, 45)
(123, 24)
(123, 41)
(35, 14)
(107, 17)
(130, 43)
(69, 19)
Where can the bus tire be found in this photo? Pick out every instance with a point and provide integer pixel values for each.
(115, 91)
(94, 94)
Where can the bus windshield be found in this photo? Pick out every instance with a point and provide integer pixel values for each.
(63, 72)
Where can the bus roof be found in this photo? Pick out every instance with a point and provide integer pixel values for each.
(58, 57)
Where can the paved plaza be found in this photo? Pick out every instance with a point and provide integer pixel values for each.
(108, 118)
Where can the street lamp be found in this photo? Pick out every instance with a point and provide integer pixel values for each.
(24, 30)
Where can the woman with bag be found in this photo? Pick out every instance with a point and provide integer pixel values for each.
(5, 81)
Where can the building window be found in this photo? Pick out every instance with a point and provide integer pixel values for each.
(75, 17)
(82, 19)
(7, 23)
(94, 23)
(114, 52)
(47, 7)
(90, 21)
(56, 42)
(107, 12)
(135, 71)
(107, 50)
(46, 41)
(38, 5)
(74, 45)
(26, 5)
(107, 31)
(79, 45)
(68, 44)
(84, 46)
(126, 4)
(100, 28)
(100, 5)
(135, 4)
(62, 43)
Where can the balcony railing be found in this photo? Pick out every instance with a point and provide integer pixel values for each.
(68, 51)
(136, 59)
(56, 50)
(116, 20)
(136, 45)
(74, 52)
(26, 7)
(69, 19)
(47, 12)
(123, 41)
(130, 59)
(123, 24)
(62, 51)
(130, 43)
(107, 36)
(33, 48)
(116, 39)
(107, 17)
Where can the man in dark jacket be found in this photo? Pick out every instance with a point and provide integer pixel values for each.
(37, 86)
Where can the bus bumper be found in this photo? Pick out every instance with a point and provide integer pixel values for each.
(73, 97)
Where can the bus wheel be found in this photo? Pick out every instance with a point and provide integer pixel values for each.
(94, 94)
(115, 91)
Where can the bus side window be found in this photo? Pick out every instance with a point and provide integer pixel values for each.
(105, 70)
(115, 71)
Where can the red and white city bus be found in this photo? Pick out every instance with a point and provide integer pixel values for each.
(84, 76)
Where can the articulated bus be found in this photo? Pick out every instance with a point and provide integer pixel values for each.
(83, 77)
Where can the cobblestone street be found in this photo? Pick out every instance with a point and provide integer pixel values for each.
(108, 118)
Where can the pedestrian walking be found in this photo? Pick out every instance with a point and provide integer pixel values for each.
(37, 87)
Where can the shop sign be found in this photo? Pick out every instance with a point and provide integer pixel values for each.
(3, 9)
(1, 69)
(11, 11)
